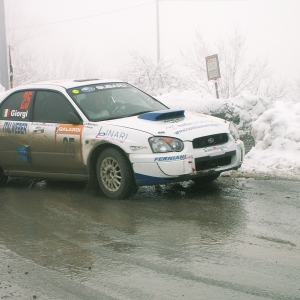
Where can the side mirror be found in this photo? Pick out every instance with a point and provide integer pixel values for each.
(73, 119)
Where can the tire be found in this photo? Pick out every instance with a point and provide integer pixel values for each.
(115, 175)
(206, 179)
(3, 178)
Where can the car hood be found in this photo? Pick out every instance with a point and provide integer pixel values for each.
(176, 123)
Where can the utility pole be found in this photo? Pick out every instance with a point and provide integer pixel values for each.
(3, 49)
(157, 31)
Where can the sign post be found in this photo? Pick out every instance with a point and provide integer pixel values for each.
(11, 70)
(213, 70)
(3, 49)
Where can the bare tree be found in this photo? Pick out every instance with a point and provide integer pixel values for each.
(33, 63)
(29, 67)
(144, 73)
(237, 73)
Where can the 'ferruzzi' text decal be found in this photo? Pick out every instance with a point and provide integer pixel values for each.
(112, 134)
(15, 127)
(26, 100)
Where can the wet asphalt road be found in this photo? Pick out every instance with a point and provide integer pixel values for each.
(232, 239)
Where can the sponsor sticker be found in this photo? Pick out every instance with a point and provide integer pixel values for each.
(90, 124)
(173, 120)
(171, 158)
(15, 128)
(215, 148)
(189, 126)
(174, 158)
(24, 153)
(196, 127)
(70, 129)
(111, 86)
(19, 114)
(75, 91)
(112, 134)
(88, 89)
(7, 113)
(44, 124)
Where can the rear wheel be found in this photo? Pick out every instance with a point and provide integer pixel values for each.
(3, 177)
(115, 174)
(206, 179)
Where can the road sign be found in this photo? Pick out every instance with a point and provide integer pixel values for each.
(212, 67)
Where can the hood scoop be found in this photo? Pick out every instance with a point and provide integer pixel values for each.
(162, 115)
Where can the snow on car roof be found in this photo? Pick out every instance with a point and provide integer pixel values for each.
(70, 83)
(64, 83)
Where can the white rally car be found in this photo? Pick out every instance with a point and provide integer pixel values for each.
(112, 133)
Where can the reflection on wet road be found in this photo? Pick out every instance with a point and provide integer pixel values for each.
(235, 238)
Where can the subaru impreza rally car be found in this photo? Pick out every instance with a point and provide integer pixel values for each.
(112, 133)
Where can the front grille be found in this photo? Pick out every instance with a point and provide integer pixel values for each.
(210, 140)
(208, 162)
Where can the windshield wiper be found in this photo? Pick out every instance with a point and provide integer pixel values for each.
(110, 118)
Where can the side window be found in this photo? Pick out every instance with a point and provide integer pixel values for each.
(17, 106)
(51, 107)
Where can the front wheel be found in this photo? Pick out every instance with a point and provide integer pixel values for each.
(115, 175)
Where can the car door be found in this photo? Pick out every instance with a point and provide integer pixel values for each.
(15, 111)
(56, 145)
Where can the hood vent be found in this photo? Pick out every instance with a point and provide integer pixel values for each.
(162, 115)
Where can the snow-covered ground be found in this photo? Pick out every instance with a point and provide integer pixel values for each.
(275, 127)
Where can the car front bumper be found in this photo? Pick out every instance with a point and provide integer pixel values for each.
(160, 168)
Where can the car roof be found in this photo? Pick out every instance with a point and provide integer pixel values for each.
(67, 83)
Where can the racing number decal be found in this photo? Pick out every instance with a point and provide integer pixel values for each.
(69, 146)
(68, 140)
(26, 100)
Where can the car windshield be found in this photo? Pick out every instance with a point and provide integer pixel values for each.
(114, 100)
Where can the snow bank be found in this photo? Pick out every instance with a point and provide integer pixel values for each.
(277, 141)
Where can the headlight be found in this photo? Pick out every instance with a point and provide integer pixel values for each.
(233, 131)
(165, 144)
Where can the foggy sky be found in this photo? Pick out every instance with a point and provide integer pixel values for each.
(104, 32)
